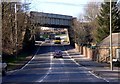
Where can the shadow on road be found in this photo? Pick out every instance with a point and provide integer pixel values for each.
(47, 48)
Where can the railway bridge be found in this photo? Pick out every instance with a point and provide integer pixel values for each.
(53, 21)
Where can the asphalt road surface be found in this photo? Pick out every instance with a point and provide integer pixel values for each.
(44, 68)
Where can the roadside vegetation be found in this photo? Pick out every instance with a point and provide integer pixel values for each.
(17, 34)
(93, 27)
(17, 63)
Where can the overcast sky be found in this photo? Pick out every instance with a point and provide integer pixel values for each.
(65, 7)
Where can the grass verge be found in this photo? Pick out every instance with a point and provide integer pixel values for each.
(19, 61)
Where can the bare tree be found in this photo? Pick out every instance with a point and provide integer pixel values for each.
(82, 32)
(8, 27)
(92, 10)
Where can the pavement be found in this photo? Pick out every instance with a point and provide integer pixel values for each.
(99, 69)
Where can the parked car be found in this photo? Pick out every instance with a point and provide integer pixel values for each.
(3, 67)
(57, 54)
(57, 40)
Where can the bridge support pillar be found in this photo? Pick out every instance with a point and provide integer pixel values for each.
(71, 36)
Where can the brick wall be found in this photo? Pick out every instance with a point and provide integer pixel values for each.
(104, 54)
(101, 54)
(89, 53)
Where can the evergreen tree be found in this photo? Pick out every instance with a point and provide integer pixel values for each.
(115, 17)
(104, 20)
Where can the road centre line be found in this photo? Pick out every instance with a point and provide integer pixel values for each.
(42, 78)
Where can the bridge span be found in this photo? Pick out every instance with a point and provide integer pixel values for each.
(53, 21)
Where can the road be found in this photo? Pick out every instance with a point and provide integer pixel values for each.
(44, 68)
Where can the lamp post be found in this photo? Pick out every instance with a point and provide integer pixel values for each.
(0, 31)
(111, 63)
(16, 29)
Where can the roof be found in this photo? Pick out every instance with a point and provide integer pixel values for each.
(115, 40)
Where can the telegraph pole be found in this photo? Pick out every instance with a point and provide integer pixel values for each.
(111, 63)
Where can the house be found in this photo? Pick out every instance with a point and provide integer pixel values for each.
(104, 48)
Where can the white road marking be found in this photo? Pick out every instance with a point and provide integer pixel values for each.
(98, 76)
(25, 64)
(40, 80)
(30, 60)
(51, 67)
(84, 67)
